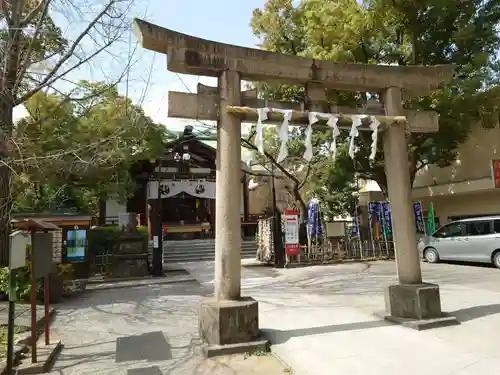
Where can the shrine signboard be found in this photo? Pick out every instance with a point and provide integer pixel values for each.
(292, 245)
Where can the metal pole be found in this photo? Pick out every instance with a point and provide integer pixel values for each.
(157, 229)
(278, 248)
(384, 226)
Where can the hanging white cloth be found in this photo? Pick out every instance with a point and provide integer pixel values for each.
(171, 188)
(200, 189)
(282, 131)
(308, 153)
(259, 137)
(374, 128)
(332, 122)
(356, 122)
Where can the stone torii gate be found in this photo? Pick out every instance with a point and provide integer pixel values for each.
(227, 319)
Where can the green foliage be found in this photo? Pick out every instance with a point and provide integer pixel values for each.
(22, 277)
(102, 239)
(397, 32)
(334, 186)
(106, 238)
(69, 154)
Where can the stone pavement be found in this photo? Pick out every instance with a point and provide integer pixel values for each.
(320, 319)
(147, 329)
(142, 330)
(23, 313)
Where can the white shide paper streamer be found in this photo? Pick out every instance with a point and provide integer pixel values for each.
(332, 122)
(374, 128)
(356, 122)
(282, 131)
(308, 153)
(259, 138)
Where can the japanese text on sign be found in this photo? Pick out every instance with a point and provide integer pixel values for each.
(292, 246)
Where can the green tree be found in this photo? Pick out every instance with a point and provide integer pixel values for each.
(73, 153)
(398, 32)
(37, 55)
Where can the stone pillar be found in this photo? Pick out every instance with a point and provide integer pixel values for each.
(228, 192)
(411, 302)
(399, 189)
(229, 323)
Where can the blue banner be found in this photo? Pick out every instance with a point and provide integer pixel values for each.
(419, 217)
(373, 208)
(386, 213)
(355, 226)
(314, 218)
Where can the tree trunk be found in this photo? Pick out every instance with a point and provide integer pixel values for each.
(302, 205)
(5, 179)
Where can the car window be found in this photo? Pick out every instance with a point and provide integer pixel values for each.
(496, 226)
(451, 230)
(479, 228)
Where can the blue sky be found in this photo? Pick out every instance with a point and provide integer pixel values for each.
(221, 20)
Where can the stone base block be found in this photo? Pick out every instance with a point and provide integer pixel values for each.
(259, 345)
(417, 306)
(233, 324)
(47, 355)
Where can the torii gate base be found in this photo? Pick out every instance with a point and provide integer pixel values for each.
(230, 327)
(416, 306)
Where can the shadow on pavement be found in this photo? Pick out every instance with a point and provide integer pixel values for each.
(151, 347)
(476, 312)
(280, 337)
(132, 294)
(154, 370)
(468, 264)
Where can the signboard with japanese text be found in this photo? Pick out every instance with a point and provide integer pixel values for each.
(291, 219)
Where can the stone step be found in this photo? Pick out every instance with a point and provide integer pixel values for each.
(175, 250)
(206, 258)
(203, 245)
(199, 250)
(208, 241)
(203, 254)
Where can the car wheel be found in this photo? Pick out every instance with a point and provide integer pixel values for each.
(496, 259)
(431, 255)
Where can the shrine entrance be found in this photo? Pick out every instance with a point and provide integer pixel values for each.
(228, 319)
(187, 209)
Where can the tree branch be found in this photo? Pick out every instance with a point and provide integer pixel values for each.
(32, 14)
(52, 76)
(26, 63)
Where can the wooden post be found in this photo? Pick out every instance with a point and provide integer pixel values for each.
(46, 304)
(33, 303)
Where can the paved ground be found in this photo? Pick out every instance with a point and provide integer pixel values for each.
(22, 316)
(321, 322)
(143, 330)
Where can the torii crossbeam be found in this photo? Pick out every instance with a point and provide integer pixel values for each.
(227, 319)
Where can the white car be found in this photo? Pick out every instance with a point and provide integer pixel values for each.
(468, 240)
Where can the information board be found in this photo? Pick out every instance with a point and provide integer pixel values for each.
(292, 245)
(76, 242)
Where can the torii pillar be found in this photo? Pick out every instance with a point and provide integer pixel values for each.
(228, 322)
(410, 302)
